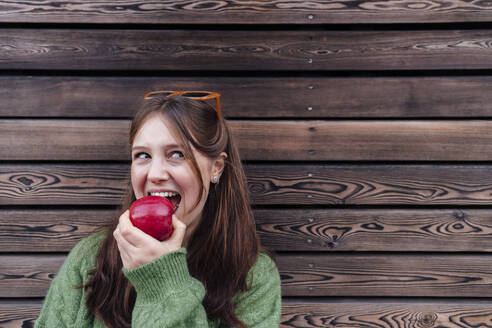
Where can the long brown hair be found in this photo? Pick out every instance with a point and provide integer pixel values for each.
(224, 245)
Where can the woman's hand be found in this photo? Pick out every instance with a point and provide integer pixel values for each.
(137, 248)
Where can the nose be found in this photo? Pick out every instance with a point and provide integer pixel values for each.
(158, 172)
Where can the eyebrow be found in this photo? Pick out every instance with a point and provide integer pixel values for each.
(138, 147)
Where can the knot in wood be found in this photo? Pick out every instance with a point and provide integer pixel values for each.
(25, 180)
(256, 188)
(426, 319)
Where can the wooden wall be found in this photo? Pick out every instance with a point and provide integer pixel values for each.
(365, 129)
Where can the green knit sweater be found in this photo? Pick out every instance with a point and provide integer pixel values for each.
(167, 296)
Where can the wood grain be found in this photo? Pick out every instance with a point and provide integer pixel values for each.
(269, 184)
(344, 140)
(406, 244)
(19, 314)
(385, 314)
(58, 140)
(241, 12)
(40, 230)
(233, 50)
(321, 230)
(62, 184)
(399, 275)
(261, 97)
(370, 184)
(345, 275)
(29, 275)
(402, 230)
(337, 313)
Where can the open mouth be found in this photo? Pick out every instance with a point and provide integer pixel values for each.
(173, 197)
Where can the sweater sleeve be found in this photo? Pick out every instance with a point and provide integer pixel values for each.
(260, 306)
(167, 296)
(64, 304)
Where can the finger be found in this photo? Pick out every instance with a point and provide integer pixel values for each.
(179, 231)
(124, 229)
(132, 234)
(124, 248)
(123, 244)
(124, 221)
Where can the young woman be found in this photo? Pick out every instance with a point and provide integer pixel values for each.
(210, 273)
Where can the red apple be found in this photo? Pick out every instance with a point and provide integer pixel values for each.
(153, 215)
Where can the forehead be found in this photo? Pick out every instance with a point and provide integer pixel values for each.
(154, 127)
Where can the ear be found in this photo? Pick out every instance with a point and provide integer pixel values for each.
(218, 166)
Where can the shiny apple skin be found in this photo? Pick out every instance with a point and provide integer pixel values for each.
(153, 215)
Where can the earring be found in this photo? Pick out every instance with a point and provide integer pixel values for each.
(215, 179)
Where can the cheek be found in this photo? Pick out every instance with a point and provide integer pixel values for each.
(137, 178)
(191, 187)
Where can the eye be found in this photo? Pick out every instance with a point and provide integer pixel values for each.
(177, 155)
(141, 155)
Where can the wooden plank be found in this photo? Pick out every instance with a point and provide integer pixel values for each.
(64, 140)
(324, 230)
(17, 314)
(39, 230)
(333, 313)
(386, 313)
(59, 184)
(27, 275)
(286, 97)
(403, 230)
(241, 12)
(269, 184)
(312, 275)
(398, 275)
(368, 184)
(258, 50)
(280, 140)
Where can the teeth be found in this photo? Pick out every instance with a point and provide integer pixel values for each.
(164, 194)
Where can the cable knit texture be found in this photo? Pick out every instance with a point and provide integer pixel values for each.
(167, 296)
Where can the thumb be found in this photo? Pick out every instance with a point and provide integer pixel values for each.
(179, 232)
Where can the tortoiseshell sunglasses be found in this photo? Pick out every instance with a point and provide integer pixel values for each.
(196, 95)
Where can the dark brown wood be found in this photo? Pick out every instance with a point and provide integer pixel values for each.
(231, 50)
(406, 262)
(402, 230)
(336, 313)
(369, 184)
(269, 184)
(390, 313)
(263, 140)
(29, 275)
(240, 12)
(118, 97)
(64, 140)
(39, 230)
(311, 275)
(397, 275)
(17, 314)
(458, 230)
(58, 184)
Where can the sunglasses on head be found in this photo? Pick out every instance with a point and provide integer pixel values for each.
(195, 95)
